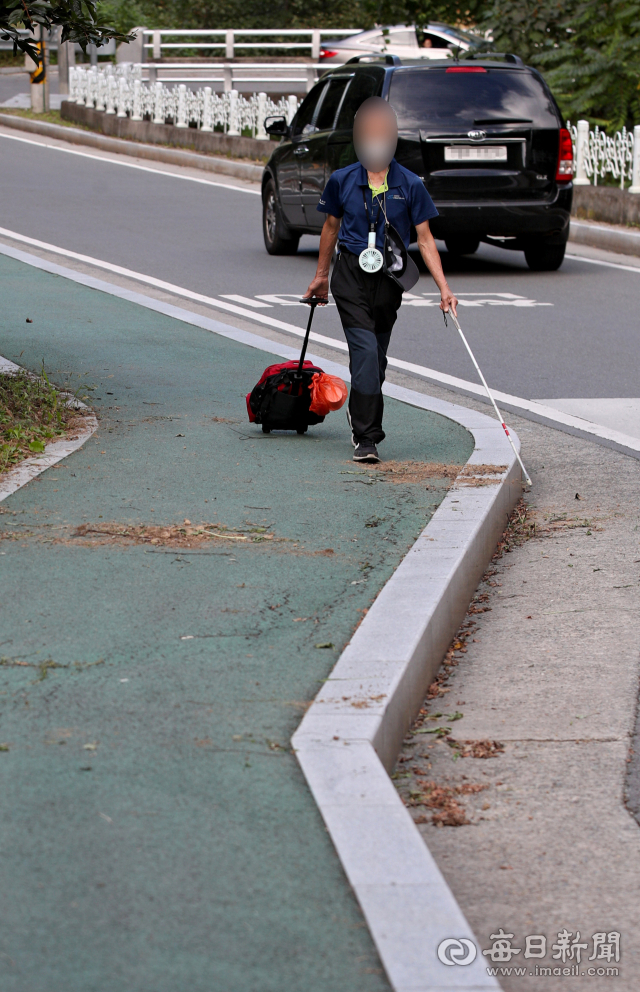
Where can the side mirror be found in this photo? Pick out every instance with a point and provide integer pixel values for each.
(277, 126)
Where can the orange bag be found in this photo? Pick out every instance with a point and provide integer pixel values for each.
(328, 392)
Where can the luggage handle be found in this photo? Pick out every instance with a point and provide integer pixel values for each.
(312, 302)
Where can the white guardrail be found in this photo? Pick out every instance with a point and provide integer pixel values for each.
(119, 90)
(597, 154)
(229, 40)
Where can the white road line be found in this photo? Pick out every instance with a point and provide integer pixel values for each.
(600, 261)
(171, 288)
(129, 165)
(246, 301)
(539, 411)
(621, 413)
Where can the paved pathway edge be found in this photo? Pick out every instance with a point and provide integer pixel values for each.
(605, 236)
(346, 752)
(350, 737)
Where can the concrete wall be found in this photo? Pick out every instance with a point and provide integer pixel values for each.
(606, 203)
(166, 134)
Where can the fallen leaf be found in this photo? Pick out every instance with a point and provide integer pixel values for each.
(325, 644)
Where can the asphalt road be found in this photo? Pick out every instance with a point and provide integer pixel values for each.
(566, 334)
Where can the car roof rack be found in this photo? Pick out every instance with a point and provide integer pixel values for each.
(387, 59)
(507, 56)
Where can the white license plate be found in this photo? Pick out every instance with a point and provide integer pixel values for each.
(475, 153)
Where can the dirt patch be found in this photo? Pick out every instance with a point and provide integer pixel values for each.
(186, 535)
(402, 473)
(479, 470)
(444, 800)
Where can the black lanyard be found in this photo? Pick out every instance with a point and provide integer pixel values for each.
(373, 222)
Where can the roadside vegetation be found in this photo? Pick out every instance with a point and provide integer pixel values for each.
(588, 50)
(32, 412)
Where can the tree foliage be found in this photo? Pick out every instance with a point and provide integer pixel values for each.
(595, 69)
(359, 14)
(79, 20)
(527, 28)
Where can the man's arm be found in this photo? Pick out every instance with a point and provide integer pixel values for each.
(431, 257)
(319, 285)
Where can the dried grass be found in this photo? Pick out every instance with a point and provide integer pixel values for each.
(184, 535)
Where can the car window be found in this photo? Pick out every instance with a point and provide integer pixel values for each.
(456, 35)
(432, 40)
(362, 86)
(330, 103)
(457, 99)
(372, 40)
(303, 121)
(406, 38)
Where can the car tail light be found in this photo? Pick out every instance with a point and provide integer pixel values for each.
(564, 171)
(327, 53)
(466, 68)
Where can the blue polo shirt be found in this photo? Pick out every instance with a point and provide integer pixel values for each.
(407, 203)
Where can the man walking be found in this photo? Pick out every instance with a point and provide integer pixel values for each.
(361, 203)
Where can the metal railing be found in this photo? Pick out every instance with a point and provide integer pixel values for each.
(597, 154)
(306, 39)
(231, 73)
(121, 91)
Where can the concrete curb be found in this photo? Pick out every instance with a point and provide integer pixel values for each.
(189, 138)
(54, 452)
(119, 146)
(350, 737)
(345, 751)
(609, 238)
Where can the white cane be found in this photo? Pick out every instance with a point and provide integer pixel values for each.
(484, 383)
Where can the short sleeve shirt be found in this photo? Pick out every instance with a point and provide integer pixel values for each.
(407, 204)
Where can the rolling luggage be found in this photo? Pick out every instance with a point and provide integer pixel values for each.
(284, 395)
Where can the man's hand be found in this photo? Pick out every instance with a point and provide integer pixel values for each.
(448, 301)
(319, 286)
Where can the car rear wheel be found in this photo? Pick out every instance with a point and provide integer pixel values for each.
(277, 238)
(462, 246)
(544, 258)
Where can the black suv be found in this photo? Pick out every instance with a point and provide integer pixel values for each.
(484, 134)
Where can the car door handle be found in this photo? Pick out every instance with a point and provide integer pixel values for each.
(301, 150)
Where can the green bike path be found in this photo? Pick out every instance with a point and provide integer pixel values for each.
(156, 832)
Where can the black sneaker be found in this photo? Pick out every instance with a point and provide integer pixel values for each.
(366, 451)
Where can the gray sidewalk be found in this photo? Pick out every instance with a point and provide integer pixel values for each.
(550, 672)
